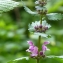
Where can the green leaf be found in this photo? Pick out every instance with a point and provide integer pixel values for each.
(28, 10)
(23, 60)
(27, 58)
(19, 59)
(10, 62)
(54, 16)
(7, 5)
(54, 56)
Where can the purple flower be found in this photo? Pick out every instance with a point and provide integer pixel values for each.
(33, 49)
(46, 42)
(30, 43)
(34, 52)
(44, 47)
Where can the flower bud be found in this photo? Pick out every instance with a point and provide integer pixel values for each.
(40, 26)
(41, 53)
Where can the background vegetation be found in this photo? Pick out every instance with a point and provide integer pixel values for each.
(14, 32)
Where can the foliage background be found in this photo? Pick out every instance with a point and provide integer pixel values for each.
(14, 32)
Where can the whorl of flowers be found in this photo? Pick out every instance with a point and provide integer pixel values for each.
(34, 49)
(40, 6)
(37, 27)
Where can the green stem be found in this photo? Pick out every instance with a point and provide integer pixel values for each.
(37, 60)
(40, 19)
(39, 42)
(39, 39)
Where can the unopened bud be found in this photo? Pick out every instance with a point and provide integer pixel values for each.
(41, 53)
(40, 26)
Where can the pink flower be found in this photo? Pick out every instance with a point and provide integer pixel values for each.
(44, 47)
(30, 43)
(33, 49)
(47, 42)
(34, 52)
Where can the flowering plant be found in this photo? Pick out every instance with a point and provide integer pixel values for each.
(39, 28)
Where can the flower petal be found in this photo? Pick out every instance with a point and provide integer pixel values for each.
(31, 48)
(44, 48)
(46, 42)
(35, 51)
(30, 43)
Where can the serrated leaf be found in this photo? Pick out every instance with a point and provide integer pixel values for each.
(54, 56)
(7, 5)
(27, 9)
(54, 16)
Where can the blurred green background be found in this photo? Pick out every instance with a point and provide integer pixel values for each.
(14, 32)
